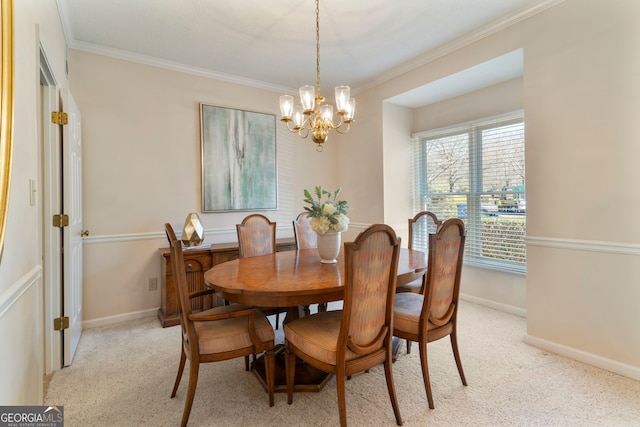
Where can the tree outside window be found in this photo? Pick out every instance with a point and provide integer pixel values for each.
(477, 172)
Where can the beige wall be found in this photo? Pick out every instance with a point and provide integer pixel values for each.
(21, 277)
(581, 97)
(141, 154)
(580, 94)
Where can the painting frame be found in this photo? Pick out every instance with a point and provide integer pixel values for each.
(239, 159)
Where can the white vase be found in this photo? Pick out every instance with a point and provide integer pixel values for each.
(329, 246)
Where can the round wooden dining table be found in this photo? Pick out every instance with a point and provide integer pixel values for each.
(294, 278)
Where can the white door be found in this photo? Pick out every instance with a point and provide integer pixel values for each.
(72, 237)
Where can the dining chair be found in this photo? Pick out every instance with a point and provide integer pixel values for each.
(429, 316)
(358, 337)
(217, 334)
(257, 236)
(306, 238)
(420, 226)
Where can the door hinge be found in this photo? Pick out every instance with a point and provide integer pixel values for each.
(60, 323)
(61, 220)
(59, 118)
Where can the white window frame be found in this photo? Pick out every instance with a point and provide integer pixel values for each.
(473, 220)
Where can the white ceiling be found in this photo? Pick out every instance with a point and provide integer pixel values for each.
(271, 43)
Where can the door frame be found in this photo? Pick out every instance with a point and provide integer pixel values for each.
(51, 201)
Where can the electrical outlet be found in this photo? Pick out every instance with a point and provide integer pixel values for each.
(153, 283)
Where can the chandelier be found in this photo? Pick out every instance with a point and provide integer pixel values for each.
(313, 117)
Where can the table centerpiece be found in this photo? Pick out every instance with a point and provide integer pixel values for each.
(328, 219)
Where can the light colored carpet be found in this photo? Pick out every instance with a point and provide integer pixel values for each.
(122, 375)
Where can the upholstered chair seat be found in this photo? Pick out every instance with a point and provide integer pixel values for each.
(407, 308)
(317, 336)
(230, 334)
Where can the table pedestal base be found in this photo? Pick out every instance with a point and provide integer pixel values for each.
(308, 378)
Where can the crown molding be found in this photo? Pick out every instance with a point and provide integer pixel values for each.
(462, 42)
(173, 66)
(459, 43)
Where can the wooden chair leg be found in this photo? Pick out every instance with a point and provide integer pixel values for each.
(246, 363)
(290, 371)
(270, 370)
(322, 307)
(277, 320)
(408, 346)
(183, 359)
(392, 390)
(342, 405)
(425, 372)
(194, 367)
(456, 355)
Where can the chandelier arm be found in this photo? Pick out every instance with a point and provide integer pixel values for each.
(306, 134)
(288, 127)
(345, 131)
(334, 126)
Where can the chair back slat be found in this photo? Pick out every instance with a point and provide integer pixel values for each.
(444, 269)
(371, 264)
(305, 237)
(180, 279)
(256, 236)
(420, 227)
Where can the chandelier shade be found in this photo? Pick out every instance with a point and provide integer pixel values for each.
(312, 116)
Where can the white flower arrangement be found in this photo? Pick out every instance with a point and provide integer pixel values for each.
(329, 215)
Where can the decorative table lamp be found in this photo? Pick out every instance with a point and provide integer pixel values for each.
(193, 232)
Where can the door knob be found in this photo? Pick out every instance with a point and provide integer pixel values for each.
(84, 233)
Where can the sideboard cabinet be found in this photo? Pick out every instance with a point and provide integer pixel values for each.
(196, 262)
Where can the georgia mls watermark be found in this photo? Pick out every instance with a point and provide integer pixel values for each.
(31, 416)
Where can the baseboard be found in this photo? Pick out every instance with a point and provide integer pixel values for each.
(522, 312)
(588, 358)
(112, 320)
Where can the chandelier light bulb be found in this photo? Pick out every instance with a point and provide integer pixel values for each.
(326, 112)
(307, 97)
(286, 106)
(342, 97)
(349, 110)
(298, 117)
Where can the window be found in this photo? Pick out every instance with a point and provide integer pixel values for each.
(476, 172)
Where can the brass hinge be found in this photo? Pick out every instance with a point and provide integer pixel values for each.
(61, 220)
(59, 118)
(60, 323)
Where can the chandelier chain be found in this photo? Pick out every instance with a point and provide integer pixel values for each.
(318, 46)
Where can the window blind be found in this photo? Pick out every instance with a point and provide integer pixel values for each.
(476, 172)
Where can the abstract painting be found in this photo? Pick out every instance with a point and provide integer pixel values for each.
(239, 171)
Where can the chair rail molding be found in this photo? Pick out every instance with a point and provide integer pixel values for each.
(584, 245)
(9, 297)
(221, 235)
